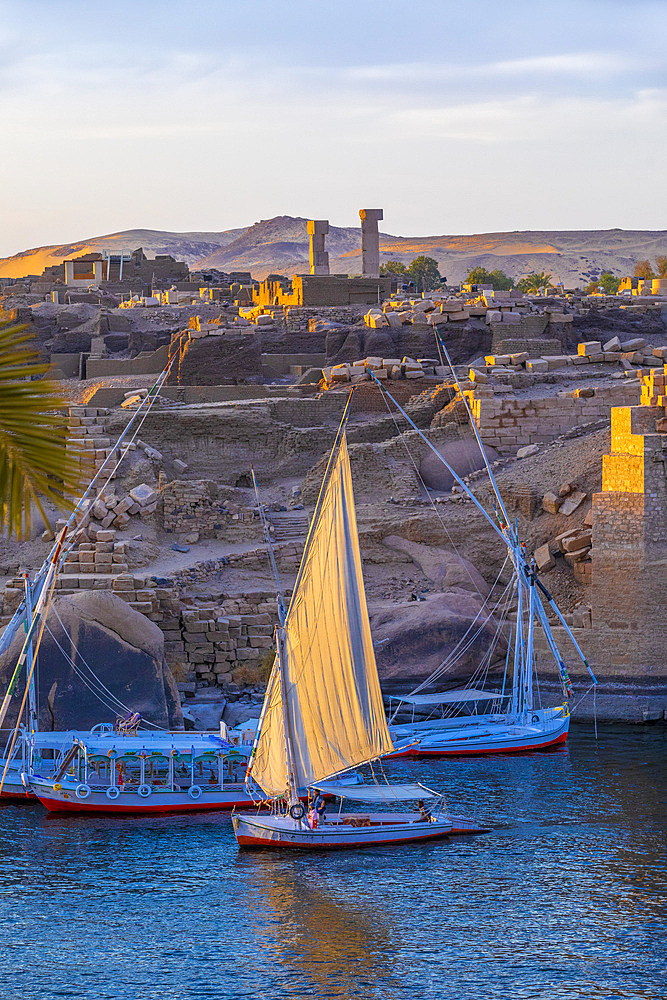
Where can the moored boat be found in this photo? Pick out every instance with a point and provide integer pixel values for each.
(355, 829)
(143, 774)
(323, 711)
(465, 736)
(516, 724)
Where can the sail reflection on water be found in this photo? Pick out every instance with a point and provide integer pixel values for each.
(326, 945)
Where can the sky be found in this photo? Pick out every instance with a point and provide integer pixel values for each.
(454, 117)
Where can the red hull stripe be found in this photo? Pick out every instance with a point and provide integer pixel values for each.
(54, 805)
(260, 842)
(460, 752)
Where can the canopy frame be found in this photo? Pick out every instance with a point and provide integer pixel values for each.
(378, 793)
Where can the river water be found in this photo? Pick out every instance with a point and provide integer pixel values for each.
(564, 899)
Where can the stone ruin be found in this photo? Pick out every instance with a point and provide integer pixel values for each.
(370, 241)
(319, 258)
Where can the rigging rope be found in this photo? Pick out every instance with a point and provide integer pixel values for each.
(86, 517)
(401, 436)
(460, 648)
(153, 393)
(104, 699)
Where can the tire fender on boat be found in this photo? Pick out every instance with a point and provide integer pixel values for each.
(297, 811)
(82, 791)
(144, 791)
(194, 791)
(535, 719)
(112, 792)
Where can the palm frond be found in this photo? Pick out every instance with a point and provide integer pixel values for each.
(34, 459)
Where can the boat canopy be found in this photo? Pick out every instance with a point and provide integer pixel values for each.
(445, 697)
(377, 793)
(158, 742)
(324, 696)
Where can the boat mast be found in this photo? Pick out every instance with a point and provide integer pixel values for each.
(280, 600)
(517, 650)
(77, 518)
(38, 619)
(509, 537)
(37, 616)
(528, 668)
(31, 662)
(289, 744)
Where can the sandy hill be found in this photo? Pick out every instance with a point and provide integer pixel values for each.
(281, 245)
(190, 247)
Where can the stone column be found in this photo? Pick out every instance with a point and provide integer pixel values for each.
(370, 242)
(319, 258)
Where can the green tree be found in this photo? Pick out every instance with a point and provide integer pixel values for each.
(661, 266)
(534, 282)
(34, 462)
(497, 279)
(424, 272)
(393, 267)
(643, 269)
(607, 282)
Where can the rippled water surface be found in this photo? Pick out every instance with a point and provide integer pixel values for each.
(563, 899)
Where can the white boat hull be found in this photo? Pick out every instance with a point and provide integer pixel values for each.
(547, 728)
(346, 830)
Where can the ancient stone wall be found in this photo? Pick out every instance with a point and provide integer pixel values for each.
(219, 642)
(508, 424)
(297, 317)
(523, 327)
(194, 505)
(217, 360)
(518, 344)
(629, 533)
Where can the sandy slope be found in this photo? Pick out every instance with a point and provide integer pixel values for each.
(190, 247)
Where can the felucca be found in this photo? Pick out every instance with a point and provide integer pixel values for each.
(323, 712)
(514, 720)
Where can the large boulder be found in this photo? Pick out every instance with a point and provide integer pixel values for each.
(463, 456)
(466, 341)
(228, 359)
(349, 348)
(447, 570)
(122, 648)
(379, 343)
(412, 639)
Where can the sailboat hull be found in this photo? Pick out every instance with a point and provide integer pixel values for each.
(346, 831)
(486, 738)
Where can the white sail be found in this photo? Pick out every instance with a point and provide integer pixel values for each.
(333, 717)
(268, 762)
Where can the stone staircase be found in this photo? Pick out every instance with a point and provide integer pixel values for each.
(88, 435)
(98, 556)
(289, 524)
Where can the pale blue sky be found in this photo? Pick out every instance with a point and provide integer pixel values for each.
(460, 117)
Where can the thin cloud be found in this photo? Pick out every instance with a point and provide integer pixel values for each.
(532, 117)
(565, 64)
